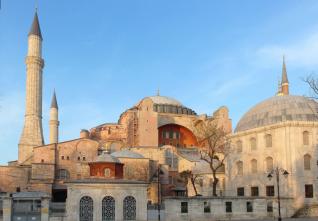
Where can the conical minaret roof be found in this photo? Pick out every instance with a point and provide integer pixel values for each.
(284, 73)
(35, 28)
(54, 102)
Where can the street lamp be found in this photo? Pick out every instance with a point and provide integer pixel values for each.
(277, 171)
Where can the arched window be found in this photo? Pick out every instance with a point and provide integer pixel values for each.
(129, 209)
(239, 166)
(268, 140)
(253, 143)
(306, 138)
(239, 146)
(254, 166)
(62, 174)
(108, 208)
(307, 162)
(107, 172)
(86, 209)
(269, 164)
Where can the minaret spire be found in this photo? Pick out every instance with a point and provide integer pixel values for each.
(284, 82)
(32, 134)
(35, 28)
(54, 120)
(54, 102)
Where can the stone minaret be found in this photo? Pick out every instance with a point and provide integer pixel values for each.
(285, 83)
(54, 120)
(32, 134)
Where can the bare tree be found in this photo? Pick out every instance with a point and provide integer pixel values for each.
(214, 146)
(188, 175)
(312, 81)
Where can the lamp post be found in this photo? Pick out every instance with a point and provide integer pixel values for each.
(159, 192)
(277, 171)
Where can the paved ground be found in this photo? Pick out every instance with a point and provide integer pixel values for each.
(285, 219)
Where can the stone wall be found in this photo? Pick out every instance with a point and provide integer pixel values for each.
(98, 191)
(217, 208)
(13, 177)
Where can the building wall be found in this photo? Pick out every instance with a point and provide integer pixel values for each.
(218, 208)
(98, 191)
(136, 169)
(287, 152)
(147, 124)
(13, 177)
(75, 155)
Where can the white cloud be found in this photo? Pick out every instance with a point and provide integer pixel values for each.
(301, 53)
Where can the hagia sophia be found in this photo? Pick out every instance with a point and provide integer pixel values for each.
(114, 171)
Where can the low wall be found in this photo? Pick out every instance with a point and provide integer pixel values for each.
(208, 208)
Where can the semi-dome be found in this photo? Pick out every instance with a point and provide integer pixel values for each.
(127, 154)
(279, 109)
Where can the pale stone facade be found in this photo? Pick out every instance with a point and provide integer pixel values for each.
(98, 190)
(216, 208)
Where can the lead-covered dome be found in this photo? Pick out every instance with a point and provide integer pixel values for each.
(165, 100)
(279, 109)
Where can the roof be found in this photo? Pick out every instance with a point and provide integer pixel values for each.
(34, 194)
(107, 158)
(35, 28)
(165, 100)
(279, 109)
(127, 154)
(54, 102)
(103, 180)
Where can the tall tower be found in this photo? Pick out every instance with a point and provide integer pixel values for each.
(285, 83)
(54, 120)
(32, 134)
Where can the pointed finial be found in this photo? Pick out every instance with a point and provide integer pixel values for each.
(54, 102)
(35, 28)
(158, 92)
(284, 72)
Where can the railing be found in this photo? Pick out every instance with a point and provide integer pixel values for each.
(57, 208)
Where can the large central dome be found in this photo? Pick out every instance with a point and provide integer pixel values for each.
(279, 109)
(165, 100)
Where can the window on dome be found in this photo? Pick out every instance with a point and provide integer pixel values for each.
(268, 140)
(307, 162)
(306, 138)
(253, 143)
(239, 146)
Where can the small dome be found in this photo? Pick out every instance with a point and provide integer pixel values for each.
(127, 154)
(107, 158)
(279, 109)
(165, 100)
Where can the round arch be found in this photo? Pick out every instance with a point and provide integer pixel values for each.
(176, 135)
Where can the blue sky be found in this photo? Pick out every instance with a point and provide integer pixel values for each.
(102, 57)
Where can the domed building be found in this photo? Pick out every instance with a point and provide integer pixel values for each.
(156, 121)
(280, 132)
